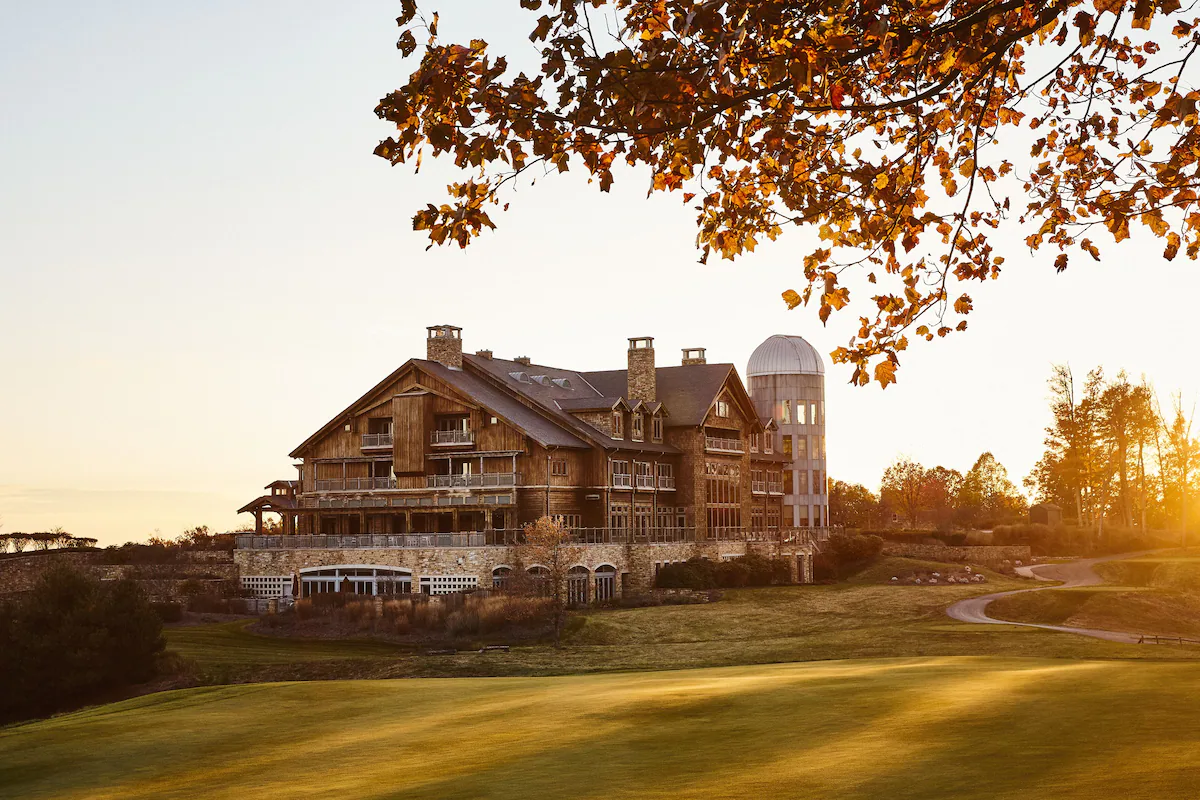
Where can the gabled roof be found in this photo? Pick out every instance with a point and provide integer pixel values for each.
(269, 503)
(560, 402)
(593, 404)
(688, 392)
(546, 432)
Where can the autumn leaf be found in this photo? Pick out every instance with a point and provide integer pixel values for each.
(885, 373)
(792, 299)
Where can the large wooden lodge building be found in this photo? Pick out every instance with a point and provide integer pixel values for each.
(441, 464)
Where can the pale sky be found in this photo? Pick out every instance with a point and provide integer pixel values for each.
(201, 262)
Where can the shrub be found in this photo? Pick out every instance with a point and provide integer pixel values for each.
(1071, 540)
(168, 612)
(700, 573)
(846, 553)
(453, 615)
(73, 638)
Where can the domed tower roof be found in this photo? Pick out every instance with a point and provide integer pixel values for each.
(785, 355)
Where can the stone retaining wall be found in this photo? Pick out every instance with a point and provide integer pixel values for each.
(19, 573)
(637, 561)
(991, 556)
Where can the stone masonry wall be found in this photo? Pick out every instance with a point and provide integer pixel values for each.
(19, 573)
(991, 556)
(637, 561)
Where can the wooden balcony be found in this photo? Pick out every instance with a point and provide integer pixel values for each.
(666, 482)
(622, 481)
(451, 438)
(758, 487)
(645, 481)
(775, 488)
(486, 480)
(371, 441)
(717, 444)
(355, 484)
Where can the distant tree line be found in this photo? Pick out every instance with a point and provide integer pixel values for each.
(55, 538)
(1114, 457)
(936, 497)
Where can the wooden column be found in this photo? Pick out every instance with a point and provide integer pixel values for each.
(258, 521)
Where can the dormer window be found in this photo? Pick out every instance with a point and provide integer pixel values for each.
(768, 442)
(754, 442)
(638, 427)
(618, 425)
(722, 409)
(656, 426)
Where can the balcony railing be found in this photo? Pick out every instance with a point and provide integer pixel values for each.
(622, 481)
(472, 481)
(370, 440)
(666, 481)
(645, 481)
(451, 437)
(355, 484)
(758, 487)
(722, 445)
(505, 538)
(775, 488)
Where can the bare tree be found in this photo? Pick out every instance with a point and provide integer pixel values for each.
(546, 546)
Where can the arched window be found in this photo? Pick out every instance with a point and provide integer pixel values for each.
(500, 578)
(606, 583)
(577, 586)
(540, 577)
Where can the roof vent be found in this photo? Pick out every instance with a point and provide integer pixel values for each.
(520, 377)
(562, 383)
(542, 379)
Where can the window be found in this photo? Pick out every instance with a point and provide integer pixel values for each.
(618, 425)
(558, 467)
(569, 521)
(722, 409)
(785, 412)
(644, 473)
(769, 442)
(754, 439)
(803, 482)
(787, 447)
(656, 428)
(804, 522)
(818, 447)
(643, 517)
(801, 447)
(500, 578)
(618, 516)
(812, 413)
(723, 496)
(621, 479)
(577, 586)
(666, 517)
(773, 518)
(756, 518)
(818, 482)
(379, 425)
(638, 428)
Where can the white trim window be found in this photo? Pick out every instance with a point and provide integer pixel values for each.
(639, 426)
(618, 425)
(656, 428)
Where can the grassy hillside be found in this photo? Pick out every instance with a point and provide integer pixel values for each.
(922, 728)
(1158, 594)
(868, 617)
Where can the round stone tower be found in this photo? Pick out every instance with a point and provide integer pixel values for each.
(786, 379)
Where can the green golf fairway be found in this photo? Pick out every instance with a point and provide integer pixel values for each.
(961, 727)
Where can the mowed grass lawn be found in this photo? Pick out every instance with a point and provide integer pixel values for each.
(866, 617)
(966, 728)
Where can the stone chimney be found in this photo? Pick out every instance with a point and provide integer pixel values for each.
(523, 360)
(444, 345)
(693, 355)
(641, 380)
(484, 354)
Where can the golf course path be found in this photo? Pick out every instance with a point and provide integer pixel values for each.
(1070, 573)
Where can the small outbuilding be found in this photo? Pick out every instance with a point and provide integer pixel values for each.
(1045, 514)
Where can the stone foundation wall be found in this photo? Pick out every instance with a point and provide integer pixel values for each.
(990, 556)
(19, 573)
(636, 561)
